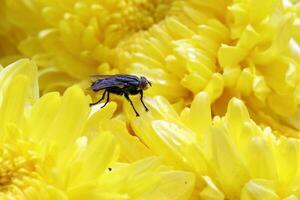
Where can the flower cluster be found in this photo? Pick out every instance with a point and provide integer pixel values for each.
(51, 148)
(231, 156)
(224, 102)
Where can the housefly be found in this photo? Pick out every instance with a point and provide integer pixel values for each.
(120, 84)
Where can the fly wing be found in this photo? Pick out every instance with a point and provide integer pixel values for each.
(119, 80)
(117, 76)
(94, 78)
(127, 78)
(106, 83)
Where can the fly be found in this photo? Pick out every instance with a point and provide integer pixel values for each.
(120, 84)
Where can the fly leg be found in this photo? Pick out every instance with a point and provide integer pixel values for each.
(103, 95)
(141, 98)
(128, 99)
(107, 100)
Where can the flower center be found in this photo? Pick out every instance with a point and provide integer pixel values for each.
(132, 16)
(18, 166)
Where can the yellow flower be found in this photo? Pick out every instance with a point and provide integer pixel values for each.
(77, 37)
(51, 148)
(235, 48)
(262, 65)
(232, 156)
(235, 53)
(235, 63)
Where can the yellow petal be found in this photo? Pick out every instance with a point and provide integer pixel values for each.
(236, 116)
(158, 106)
(287, 159)
(182, 181)
(211, 191)
(261, 160)
(244, 84)
(229, 56)
(199, 116)
(259, 189)
(55, 193)
(13, 101)
(43, 113)
(194, 82)
(280, 105)
(135, 180)
(98, 159)
(215, 87)
(21, 67)
(230, 169)
(181, 144)
(131, 147)
(291, 197)
(69, 121)
(177, 29)
(98, 118)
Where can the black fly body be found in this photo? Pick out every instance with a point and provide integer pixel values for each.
(120, 84)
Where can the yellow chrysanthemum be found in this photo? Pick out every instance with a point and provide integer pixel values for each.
(51, 148)
(76, 37)
(245, 49)
(228, 71)
(232, 157)
(235, 53)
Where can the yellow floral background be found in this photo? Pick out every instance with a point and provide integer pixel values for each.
(224, 119)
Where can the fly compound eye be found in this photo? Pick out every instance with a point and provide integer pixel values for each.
(144, 83)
